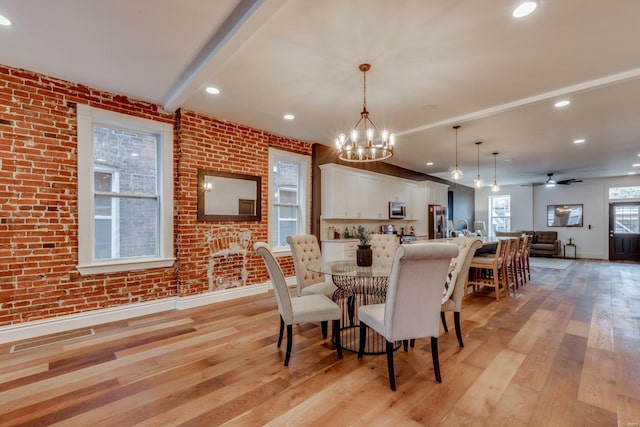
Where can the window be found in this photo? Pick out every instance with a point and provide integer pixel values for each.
(125, 196)
(624, 193)
(627, 219)
(288, 200)
(499, 213)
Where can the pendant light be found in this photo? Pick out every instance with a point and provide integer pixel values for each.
(495, 187)
(456, 174)
(478, 182)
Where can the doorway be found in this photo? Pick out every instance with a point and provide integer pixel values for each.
(624, 231)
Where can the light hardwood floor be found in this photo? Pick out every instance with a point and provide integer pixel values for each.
(563, 351)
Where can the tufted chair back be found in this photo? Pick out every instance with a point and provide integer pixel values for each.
(384, 247)
(456, 285)
(305, 250)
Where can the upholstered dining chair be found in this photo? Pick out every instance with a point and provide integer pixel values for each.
(414, 295)
(384, 247)
(302, 309)
(306, 250)
(456, 284)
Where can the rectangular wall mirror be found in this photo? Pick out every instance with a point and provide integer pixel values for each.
(225, 196)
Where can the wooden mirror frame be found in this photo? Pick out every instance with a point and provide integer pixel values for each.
(204, 216)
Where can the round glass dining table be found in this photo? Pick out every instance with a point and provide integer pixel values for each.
(357, 286)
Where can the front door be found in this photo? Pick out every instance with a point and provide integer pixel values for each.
(624, 231)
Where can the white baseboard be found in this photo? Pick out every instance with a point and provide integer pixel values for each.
(37, 328)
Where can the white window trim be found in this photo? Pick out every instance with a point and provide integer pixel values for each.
(87, 265)
(304, 195)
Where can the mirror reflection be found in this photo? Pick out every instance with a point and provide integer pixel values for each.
(224, 196)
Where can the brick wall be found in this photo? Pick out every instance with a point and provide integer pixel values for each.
(38, 198)
(207, 143)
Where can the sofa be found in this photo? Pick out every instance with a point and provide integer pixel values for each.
(544, 243)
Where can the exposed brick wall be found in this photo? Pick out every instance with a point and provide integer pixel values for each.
(38, 203)
(38, 198)
(207, 143)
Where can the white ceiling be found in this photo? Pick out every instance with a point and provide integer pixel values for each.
(435, 64)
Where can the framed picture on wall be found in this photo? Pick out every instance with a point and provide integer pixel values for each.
(564, 215)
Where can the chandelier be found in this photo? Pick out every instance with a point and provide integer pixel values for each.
(363, 145)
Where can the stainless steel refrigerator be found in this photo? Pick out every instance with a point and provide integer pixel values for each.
(437, 222)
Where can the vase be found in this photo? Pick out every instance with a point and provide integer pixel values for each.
(364, 256)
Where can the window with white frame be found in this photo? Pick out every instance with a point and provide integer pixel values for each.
(499, 213)
(125, 195)
(289, 182)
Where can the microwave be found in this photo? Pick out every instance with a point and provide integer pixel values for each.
(397, 210)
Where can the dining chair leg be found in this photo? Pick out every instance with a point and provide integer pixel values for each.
(335, 327)
(436, 361)
(412, 342)
(363, 339)
(392, 374)
(289, 339)
(405, 345)
(444, 321)
(324, 326)
(496, 283)
(456, 321)
(281, 332)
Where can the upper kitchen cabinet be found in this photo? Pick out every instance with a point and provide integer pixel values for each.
(349, 193)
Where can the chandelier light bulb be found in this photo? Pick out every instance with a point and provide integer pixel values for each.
(456, 174)
(495, 187)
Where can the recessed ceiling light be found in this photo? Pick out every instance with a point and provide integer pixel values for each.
(578, 141)
(525, 8)
(562, 103)
(213, 90)
(631, 173)
(636, 165)
(135, 154)
(508, 160)
(429, 163)
(288, 117)
(4, 21)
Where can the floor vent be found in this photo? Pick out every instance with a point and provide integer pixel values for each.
(51, 340)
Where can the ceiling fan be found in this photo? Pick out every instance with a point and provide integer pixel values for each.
(550, 182)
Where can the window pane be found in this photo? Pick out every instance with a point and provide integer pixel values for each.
(286, 224)
(133, 229)
(624, 193)
(286, 178)
(138, 227)
(102, 181)
(132, 154)
(627, 219)
(500, 213)
(103, 238)
(103, 206)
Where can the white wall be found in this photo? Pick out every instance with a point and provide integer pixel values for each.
(529, 210)
(521, 205)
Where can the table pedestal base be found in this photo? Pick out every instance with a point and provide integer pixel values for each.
(353, 292)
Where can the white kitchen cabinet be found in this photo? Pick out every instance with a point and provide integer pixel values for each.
(339, 250)
(438, 194)
(335, 192)
(349, 193)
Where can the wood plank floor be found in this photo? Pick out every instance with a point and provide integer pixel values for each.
(563, 351)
